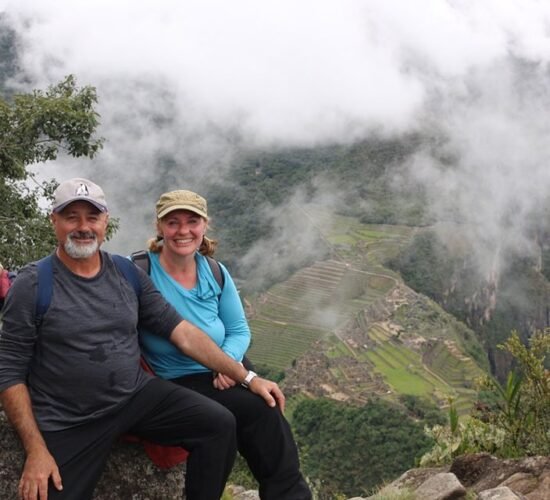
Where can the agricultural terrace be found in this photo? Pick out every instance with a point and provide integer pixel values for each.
(319, 299)
(333, 300)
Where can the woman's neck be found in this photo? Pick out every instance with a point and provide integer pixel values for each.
(182, 268)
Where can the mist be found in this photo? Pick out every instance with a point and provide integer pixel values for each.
(198, 81)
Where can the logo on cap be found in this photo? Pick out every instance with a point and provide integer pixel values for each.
(82, 190)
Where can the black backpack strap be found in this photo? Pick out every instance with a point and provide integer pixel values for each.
(216, 271)
(128, 270)
(44, 288)
(141, 259)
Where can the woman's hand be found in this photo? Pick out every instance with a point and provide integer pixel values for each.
(222, 382)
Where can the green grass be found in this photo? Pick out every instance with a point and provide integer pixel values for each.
(397, 376)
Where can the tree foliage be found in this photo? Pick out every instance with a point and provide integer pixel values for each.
(350, 450)
(36, 127)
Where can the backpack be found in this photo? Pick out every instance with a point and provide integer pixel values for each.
(124, 266)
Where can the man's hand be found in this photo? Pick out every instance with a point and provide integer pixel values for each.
(268, 390)
(39, 467)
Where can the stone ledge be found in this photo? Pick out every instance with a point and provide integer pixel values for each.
(129, 473)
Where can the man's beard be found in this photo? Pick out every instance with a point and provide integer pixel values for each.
(79, 250)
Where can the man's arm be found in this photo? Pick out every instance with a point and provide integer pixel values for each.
(196, 344)
(39, 464)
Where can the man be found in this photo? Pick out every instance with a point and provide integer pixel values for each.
(71, 383)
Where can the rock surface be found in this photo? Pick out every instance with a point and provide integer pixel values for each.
(240, 493)
(442, 486)
(480, 476)
(129, 473)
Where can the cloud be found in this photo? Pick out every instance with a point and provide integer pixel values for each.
(196, 80)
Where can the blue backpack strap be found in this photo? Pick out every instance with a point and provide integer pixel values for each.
(45, 282)
(128, 270)
(44, 288)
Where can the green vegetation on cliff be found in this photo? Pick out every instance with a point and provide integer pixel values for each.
(352, 450)
(491, 305)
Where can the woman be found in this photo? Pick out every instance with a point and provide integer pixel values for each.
(181, 272)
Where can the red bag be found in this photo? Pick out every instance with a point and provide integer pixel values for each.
(4, 283)
(162, 456)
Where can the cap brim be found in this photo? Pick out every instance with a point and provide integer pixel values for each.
(172, 208)
(99, 206)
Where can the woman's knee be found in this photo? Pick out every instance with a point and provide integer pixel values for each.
(220, 418)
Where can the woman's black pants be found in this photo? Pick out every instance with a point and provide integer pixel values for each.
(264, 438)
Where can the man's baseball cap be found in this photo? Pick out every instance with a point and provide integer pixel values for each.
(78, 189)
(181, 200)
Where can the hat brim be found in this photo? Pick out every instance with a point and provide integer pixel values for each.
(172, 208)
(99, 206)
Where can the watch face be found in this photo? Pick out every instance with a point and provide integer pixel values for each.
(249, 376)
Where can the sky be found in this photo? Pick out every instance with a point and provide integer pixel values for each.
(198, 79)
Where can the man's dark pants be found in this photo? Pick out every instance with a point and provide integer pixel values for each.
(163, 413)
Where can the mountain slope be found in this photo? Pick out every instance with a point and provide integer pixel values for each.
(350, 329)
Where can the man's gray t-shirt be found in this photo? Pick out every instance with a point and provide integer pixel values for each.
(83, 361)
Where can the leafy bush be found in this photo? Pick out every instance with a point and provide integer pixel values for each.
(515, 423)
(522, 406)
(458, 438)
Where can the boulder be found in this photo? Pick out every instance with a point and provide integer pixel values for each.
(129, 473)
(441, 486)
(480, 474)
(501, 493)
(239, 493)
(529, 476)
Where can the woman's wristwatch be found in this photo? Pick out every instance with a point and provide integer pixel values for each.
(249, 376)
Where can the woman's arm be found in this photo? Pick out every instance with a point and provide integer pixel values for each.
(232, 315)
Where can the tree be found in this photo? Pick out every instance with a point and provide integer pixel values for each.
(35, 128)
